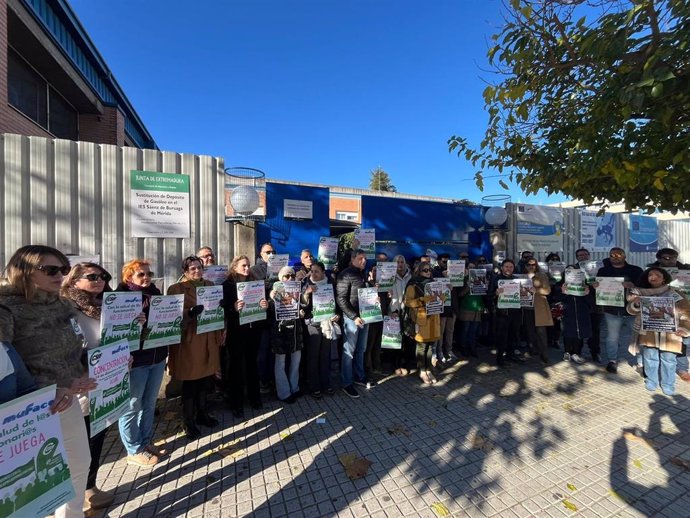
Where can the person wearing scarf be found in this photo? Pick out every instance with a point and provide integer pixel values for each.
(397, 306)
(427, 327)
(197, 357)
(659, 348)
(84, 287)
(145, 377)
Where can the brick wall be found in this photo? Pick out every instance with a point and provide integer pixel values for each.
(345, 205)
(108, 128)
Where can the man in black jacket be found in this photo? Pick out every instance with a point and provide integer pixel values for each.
(355, 330)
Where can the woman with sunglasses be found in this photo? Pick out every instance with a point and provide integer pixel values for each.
(145, 377)
(197, 356)
(240, 354)
(41, 326)
(427, 327)
(84, 286)
(538, 318)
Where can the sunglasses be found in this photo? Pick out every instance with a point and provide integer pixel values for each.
(207, 256)
(141, 275)
(426, 270)
(531, 264)
(616, 255)
(52, 271)
(289, 276)
(667, 258)
(93, 277)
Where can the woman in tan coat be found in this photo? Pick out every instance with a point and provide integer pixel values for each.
(197, 356)
(536, 326)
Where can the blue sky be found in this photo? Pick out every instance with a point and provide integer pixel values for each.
(309, 90)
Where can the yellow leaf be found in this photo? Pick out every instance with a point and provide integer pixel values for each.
(637, 463)
(570, 505)
(659, 184)
(440, 509)
(571, 487)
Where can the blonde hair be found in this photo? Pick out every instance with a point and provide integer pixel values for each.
(24, 262)
(232, 274)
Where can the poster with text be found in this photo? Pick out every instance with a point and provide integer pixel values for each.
(109, 366)
(597, 233)
(658, 314)
(365, 239)
(164, 325)
(434, 293)
(328, 251)
(251, 293)
(508, 294)
(285, 296)
(323, 303)
(591, 268)
(119, 318)
(644, 233)
(556, 269)
(526, 292)
(610, 291)
(212, 318)
(478, 282)
(159, 204)
(369, 305)
(575, 282)
(539, 228)
(681, 281)
(385, 275)
(447, 301)
(456, 273)
(275, 263)
(392, 337)
(216, 273)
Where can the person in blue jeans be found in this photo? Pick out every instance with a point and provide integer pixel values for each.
(682, 364)
(15, 379)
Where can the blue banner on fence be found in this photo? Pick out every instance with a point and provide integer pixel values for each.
(644, 233)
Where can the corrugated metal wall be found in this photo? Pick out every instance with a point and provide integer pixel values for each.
(74, 196)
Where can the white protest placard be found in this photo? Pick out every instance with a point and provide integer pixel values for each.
(119, 318)
(251, 293)
(285, 296)
(35, 478)
(478, 283)
(385, 275)
(681, 281)
(392, 337)
(159, 204)
(323, 303)
(456, 272)
(658, 314)
(434, 291)
(365, 239)
(610, 292)
(591, 268)
(369, 305)
(575, 282)
(164, 325)
(508, 294)
(447, 301)
(212, 318)
(109, 366)
(526, 292)
(275, 263)
(328, 251)
(556, 269)
(216, 273)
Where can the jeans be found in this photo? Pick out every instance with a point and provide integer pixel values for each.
(265, 359)
(655, 362)
(18, 383)
(136, 424)
(617, 330)
(445, 344)
(468, 335)
(682, 364)
(354, 347)
(287, 384)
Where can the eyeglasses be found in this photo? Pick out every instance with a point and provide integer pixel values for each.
(141, 275)
(93, 277)
(426, 270)
(289, 276)
(51, 270)
(531, 264)
(616, 254)
(207, 256)
(667, 258)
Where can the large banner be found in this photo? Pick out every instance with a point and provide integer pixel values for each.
(119, 318)
(644, 233)
(35, 478)
(159, 204)
(539, 229)
(109, 366)
(597, 233)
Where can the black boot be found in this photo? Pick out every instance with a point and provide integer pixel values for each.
(202, 416)
(188, 425)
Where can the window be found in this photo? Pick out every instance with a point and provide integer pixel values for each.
(29, 93)
(346, 216)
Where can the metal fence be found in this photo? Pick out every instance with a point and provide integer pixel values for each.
(74, 196)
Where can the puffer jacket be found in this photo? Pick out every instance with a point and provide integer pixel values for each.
(346, 295)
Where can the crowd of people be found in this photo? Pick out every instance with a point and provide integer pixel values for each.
(50, 314)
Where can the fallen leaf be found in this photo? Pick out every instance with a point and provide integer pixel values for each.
(567, 407)
(571, 487)
(432, 424)
(637, 463)
(613, 493)
(398, 429)
(440, 509)
(569, 505)
(355, 467)
(683, 463)
(481, 443)
(633, 437)
(286, 436)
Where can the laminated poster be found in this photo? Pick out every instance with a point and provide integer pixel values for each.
(658, 314)
(275, 263)
(109, 366)
(508, 294)
(575, 282)
(328, 251)
(365, 239)
(385, 275)
(119, 315)
(392, 338)
(456, 273)
(369, 305)
(610, 291)
(556, 270)
(526, 292)
(681, 281)
(216, 273)
(434, 291)
(286, 299)
(251, 293)
(323, 303)
(212, 318)
(35, 478)
(477, 280)
(446, 291)
(591, 268)
(164, 325)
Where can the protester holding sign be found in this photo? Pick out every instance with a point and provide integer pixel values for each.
(136, 424)
(42, 328)
(85, 286)
(659, 348)
(577, 324)
(240, 354)
(427, 328)
(397, 308)
(507, 321)
(196, 358)
(470, 312)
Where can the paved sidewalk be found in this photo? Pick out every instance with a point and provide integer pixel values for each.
(568, 440)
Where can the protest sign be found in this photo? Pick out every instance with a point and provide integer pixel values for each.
(275, 263)
(119, 318)
(385, 275)
(508, 294)
(216, 273)
(251, 293)
(478, 282)
(591, 268)
(365, 239)
(658, 314)
(328, 251)
(456, 273)
(575, 282)
(369, 305)
(164, 325)
(433, 291)
(323, 303)
(285, 295)
(526, 292)
(556, 269)
(212, 318)
(610, 291)
(109, 366)
(392, 338)
(681, 281)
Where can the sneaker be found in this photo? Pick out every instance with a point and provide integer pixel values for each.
(290, 400)
(612, 367)
(577, 359)
(158, 451)
(368, 383)
(316, 394)
(330, 391)
(566, 357)
(351, 391)
(144, 459)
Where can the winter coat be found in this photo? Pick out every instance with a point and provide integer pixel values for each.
(197, 355)
(576, 322)
(542, 309)
(346, 294)
(397, 301)
(428, 328)
(628, 272)
(669, 342)
(470, 307)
